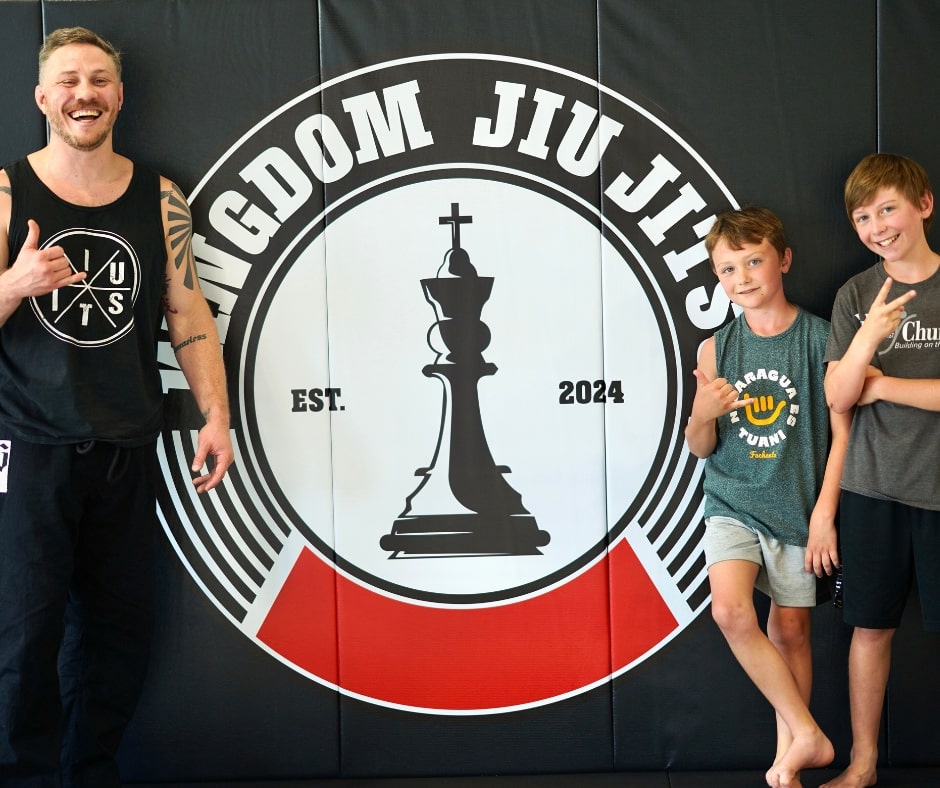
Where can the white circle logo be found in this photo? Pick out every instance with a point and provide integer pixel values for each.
(460, 297)
(100, 309)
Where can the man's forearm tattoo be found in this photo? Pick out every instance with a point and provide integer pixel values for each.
(180, 221)
(166, 296)
(185, 342)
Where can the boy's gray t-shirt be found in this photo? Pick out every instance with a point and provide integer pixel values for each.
(893, 449)
(770, 459)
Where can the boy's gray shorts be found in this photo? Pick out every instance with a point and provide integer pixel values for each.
(782, 575)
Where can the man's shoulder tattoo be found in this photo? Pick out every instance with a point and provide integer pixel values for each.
(180, 223)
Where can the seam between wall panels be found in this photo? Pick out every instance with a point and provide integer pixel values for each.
(878, 10)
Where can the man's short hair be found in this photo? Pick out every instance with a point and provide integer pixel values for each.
(76, 35)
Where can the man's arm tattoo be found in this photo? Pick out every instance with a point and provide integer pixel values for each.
(6, 190)
(166, 297)
(185, 342)
(180, 221)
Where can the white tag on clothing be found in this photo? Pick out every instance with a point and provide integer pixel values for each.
(5, 449)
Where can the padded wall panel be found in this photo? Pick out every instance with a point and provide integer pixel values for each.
(216, 706)
(907, 119)
(750, 86)
(21, 127)
(573, 735)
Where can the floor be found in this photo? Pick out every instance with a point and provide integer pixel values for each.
(887, 778)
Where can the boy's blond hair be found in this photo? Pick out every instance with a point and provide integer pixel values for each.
(886, 170)
(746, 226)
(76, 35)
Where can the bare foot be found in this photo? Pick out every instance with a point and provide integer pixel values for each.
(771, 776)
(772, 771)
(856, 776)
(806, 752)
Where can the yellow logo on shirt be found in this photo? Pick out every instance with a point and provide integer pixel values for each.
(762, 404)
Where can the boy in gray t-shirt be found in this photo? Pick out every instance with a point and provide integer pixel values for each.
(884, 362)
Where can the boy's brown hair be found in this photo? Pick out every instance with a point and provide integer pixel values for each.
(76, 35)
(886, 170)
(746, 226)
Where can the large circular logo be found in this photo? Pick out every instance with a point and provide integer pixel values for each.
(460, 297)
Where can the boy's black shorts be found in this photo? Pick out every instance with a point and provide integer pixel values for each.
(884, 546)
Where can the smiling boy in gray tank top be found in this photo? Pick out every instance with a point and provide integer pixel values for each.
(771, 487)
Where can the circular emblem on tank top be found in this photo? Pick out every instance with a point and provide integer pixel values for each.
(461, 297)
(100, 309)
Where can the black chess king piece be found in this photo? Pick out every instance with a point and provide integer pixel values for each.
(462, 505)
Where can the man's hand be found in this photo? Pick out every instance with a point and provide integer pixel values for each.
(215, 442)
(36, 271)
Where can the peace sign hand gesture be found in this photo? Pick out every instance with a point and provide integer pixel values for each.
(884, 316)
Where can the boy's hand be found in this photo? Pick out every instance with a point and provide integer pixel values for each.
(884, 317)
(714, 398)
(822, 553)
(869, 388)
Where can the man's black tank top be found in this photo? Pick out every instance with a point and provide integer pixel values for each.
(81, 363)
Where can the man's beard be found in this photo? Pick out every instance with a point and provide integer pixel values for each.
(59, 129)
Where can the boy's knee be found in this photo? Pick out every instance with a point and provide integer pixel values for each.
(733, 617)
(789, 631)
(792, 638)
(872, 638)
